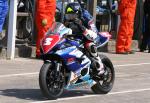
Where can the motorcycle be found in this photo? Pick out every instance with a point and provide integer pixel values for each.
(25, 23)
(67, 65)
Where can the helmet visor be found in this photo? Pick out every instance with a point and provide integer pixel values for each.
(71, 16)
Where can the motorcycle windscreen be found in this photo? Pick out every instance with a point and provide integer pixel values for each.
(49, 42)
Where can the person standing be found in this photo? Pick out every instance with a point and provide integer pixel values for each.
(138, 20)
(3, 12)
(124, 39)
(45, 14)
(146, 33)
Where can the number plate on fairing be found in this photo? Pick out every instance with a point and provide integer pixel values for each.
(49, 42)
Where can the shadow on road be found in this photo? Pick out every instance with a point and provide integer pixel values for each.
(35, 94)
(27, 94)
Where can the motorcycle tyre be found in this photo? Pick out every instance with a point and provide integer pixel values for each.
(98, 88)
(43, 83)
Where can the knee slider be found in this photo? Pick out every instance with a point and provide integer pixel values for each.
(93, 49)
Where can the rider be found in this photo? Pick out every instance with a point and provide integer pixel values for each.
(84, 24)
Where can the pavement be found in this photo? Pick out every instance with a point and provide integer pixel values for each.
(25, 50)
(19, 82)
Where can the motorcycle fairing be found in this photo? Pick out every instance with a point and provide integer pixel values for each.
(102, 39)
(49, 42)
(85, 82)
(73, 58)
(105, 34)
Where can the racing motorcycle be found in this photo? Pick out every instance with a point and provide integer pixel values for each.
(67, 65)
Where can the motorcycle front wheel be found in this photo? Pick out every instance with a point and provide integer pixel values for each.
(105, 84)
(51, 81)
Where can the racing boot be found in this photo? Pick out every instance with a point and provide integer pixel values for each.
(96, 61)
(98, 65)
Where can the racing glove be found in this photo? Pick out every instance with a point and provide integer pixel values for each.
(44, 22)
(78, 22)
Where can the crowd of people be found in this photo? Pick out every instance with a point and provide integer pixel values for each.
(127, 10)
(45, 16)
(128, 25)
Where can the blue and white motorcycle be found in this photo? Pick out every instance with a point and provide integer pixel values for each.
(67, 65)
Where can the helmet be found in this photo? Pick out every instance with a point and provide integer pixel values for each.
(73, 10)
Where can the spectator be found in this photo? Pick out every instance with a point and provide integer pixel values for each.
(146, 33)
(45, 13)
(125, 33)
(138, 20)
(3, 12)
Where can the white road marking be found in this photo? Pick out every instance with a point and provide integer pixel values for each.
(88, 96)
(35, 73)
(127, 65)
(21, 74)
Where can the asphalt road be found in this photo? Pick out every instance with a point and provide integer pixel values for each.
(19, 82)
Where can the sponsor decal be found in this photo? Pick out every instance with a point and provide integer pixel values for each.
(69, 10)
(82, 85)
(75, 79)
(70, 61)
(47, 41)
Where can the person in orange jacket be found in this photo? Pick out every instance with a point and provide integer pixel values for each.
(124, 39)
(45, 14)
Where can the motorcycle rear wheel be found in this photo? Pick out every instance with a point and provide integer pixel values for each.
(105, 85)
(51, 86)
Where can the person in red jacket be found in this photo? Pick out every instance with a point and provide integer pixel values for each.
(45, 14)
(124, 39)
